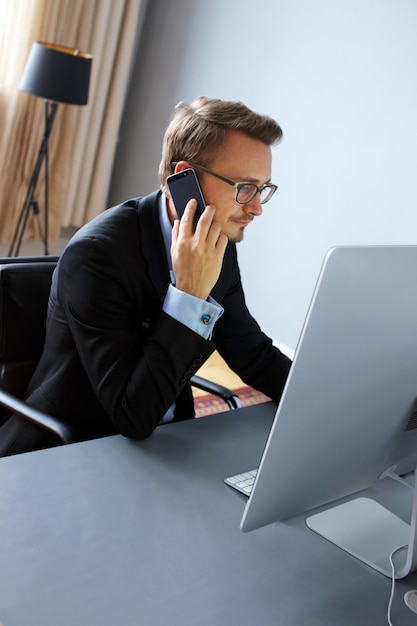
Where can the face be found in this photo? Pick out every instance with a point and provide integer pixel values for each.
(241, 159)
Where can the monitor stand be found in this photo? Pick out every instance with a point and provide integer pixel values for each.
(371, 533)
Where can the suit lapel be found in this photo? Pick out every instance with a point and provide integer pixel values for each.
(152, 243)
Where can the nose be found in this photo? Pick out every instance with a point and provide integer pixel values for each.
(254, 207)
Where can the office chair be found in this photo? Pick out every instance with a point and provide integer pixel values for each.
(24, 291)
(227, 395)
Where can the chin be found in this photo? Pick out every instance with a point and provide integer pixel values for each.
(237, 238)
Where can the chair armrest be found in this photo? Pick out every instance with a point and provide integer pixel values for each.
(54, 425)
(230, 397)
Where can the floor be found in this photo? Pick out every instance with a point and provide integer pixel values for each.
(215, 369)
(36, 248)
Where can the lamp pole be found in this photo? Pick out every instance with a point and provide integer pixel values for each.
(30, 202)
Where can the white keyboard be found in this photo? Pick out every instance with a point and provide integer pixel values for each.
(242, 482)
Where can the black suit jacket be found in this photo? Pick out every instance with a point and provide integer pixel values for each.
(113, 361)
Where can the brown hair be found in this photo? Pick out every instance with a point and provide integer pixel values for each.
(198, 130)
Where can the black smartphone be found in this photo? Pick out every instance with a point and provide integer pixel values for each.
(183, 186)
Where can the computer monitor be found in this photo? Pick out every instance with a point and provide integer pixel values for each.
(348, 416)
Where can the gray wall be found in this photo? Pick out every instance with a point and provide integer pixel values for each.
(340, 76)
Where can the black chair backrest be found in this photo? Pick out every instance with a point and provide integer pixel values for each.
(24, 292)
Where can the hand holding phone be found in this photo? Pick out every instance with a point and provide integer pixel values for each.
(183, 186)
(196, 267)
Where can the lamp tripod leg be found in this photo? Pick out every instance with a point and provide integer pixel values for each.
(30, 201)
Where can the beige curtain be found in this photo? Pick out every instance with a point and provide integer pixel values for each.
(83, 138)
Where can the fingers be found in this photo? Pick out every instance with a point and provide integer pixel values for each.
(197, 258)
(204, 222)
(207, 228)
(186, 222)
(215, 236)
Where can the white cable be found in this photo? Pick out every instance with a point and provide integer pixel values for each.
(410, 597)
(393, 581)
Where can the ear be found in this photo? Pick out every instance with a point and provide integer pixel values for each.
(181, 165)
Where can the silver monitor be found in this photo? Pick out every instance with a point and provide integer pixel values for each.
(348, 415)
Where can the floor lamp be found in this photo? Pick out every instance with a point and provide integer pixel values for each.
(57, 74)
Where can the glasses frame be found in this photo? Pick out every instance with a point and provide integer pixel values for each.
(237, 185)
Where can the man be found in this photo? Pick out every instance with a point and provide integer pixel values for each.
(122, 341)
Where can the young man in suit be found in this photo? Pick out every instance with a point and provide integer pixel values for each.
(122, 340)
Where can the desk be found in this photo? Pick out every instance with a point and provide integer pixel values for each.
(116, 532)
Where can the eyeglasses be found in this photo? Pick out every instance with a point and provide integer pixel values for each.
(245, 192)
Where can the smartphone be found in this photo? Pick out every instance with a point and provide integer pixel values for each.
(183, 186)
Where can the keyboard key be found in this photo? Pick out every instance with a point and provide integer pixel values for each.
(242, 482)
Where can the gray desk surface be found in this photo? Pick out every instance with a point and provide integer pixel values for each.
(116, 532)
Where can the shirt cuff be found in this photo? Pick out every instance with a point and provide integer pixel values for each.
(198, 315)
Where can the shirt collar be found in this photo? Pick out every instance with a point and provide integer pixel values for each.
(166, 225)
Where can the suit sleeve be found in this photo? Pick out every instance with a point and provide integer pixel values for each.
(137, 358)
(243, 345)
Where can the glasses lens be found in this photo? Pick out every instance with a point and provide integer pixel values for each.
(246, 192)
(267, 192)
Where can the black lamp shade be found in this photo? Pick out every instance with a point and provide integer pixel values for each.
(57, 73)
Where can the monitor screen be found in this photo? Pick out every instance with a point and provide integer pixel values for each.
(348, 412)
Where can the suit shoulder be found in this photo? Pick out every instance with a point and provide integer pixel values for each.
(114, 232)
(115, 220)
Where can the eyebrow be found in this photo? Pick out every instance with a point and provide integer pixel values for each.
(255, 181)
(249, 180)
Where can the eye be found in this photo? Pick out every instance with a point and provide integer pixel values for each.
(267, 192)
(246, 191)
